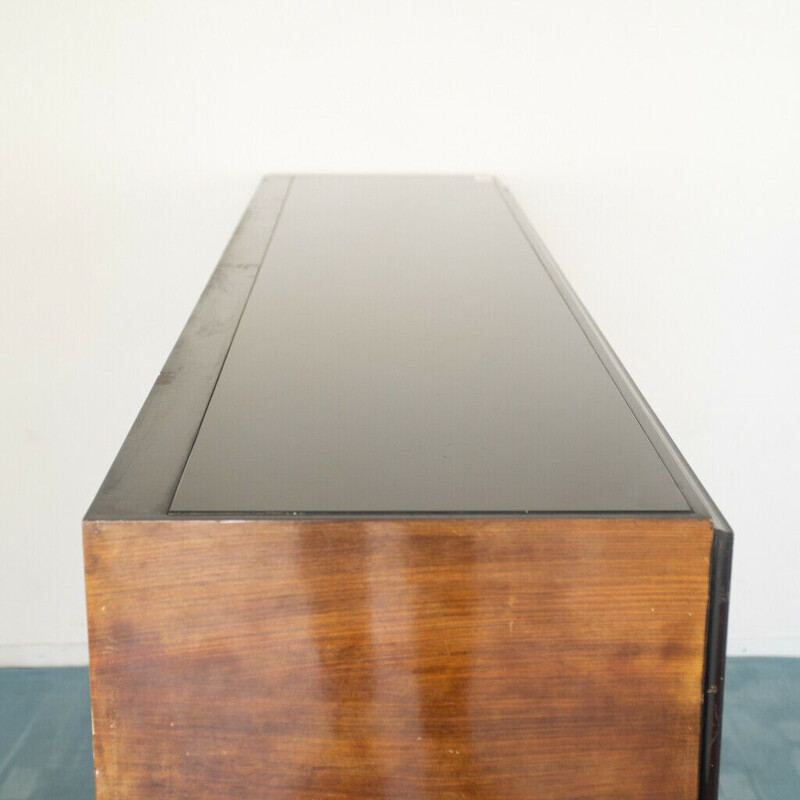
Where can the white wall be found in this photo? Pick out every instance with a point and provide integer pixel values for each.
(654, 146)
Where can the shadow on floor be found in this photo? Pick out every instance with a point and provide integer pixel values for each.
(46, 754)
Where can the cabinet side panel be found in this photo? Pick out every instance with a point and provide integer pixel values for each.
(494, 659)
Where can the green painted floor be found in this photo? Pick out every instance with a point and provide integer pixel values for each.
(45, 732)
(761, 730)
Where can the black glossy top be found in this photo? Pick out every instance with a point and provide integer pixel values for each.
(403, 349)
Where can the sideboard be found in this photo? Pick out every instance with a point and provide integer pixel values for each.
(394, 522)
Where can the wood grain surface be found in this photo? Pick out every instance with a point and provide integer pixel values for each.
(557, 659)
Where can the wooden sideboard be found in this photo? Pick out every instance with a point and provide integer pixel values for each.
(394, 522)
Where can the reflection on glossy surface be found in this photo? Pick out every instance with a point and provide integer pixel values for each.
(389, 611)
(346, 668)
(428, 659)
(403, 349)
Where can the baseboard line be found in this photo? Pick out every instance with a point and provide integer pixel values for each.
(76, 654)
(768, 646)
(64, 654)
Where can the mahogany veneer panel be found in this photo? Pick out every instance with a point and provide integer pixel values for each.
(557, 659)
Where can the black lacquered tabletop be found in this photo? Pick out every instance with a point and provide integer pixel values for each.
(403, 349)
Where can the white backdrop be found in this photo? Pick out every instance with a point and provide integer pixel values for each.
(655, 147)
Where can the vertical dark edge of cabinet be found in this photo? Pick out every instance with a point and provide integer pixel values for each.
(714, 672)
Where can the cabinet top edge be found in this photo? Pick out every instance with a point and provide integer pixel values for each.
(145, 475)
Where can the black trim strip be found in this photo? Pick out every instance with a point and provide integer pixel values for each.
(688, 483)
(146, 471)
(714, 673)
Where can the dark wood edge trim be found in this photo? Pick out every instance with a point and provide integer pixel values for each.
(92, 527)
(143, 478)
(714, 671)
(366, 516)
(688, 483)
